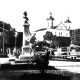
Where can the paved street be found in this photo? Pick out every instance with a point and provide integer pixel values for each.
(68, 72)
(73, 67)
(61, 65)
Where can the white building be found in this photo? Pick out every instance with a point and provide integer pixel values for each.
(61, 30)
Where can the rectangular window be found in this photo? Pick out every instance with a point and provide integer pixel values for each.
(0, 34)
(66, 34)
(61, 33)
(55, 33)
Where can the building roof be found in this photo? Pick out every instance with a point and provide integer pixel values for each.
(59, 26)
(41, 29)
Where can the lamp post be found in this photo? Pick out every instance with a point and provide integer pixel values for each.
(15, 39)
(3, 38)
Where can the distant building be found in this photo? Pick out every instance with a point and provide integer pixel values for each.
(61, 31)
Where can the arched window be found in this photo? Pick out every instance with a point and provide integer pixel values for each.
(59, 33)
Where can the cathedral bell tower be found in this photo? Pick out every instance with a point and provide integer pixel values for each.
(68, 23)
(51, 19)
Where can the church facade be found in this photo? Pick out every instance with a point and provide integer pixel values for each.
(61, 31)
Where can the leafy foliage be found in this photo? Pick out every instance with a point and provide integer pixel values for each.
(75, 36)
(33, 38)
(63, 41)
(12, 38)
(40, 44)
(4, 34)
(19, 40)
(48, 36)
(57, 41)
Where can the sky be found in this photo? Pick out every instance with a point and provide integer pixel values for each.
(11, 11)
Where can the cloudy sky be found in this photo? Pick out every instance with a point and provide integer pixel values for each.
(11, 11)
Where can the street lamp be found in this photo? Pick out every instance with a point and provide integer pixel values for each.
(15, 39)
(3, 38)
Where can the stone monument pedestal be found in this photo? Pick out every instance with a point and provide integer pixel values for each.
(26, 36)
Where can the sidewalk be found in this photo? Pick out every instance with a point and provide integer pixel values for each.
(4, 60)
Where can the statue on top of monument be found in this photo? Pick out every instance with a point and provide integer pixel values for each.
(25, 17)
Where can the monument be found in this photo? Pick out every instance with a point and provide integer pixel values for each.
(26, 35)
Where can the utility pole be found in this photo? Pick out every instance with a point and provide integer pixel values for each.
(15, 38)
(3, 37)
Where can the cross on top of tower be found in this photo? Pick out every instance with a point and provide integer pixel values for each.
(51, 17)
(68, 20)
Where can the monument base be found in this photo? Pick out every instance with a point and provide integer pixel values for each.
(25, 53)
(25, 50)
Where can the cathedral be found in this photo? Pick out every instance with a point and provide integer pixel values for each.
(61, 31)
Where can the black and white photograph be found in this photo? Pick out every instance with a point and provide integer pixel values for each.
(39, 40)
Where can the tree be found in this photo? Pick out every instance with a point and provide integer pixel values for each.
(32, 40)
(12, 38)
(75, 36)
(40, 44)
(55, 42)
(48, 36)
(52, 38)
(19, 40)
(5, 31)
(63, 41)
